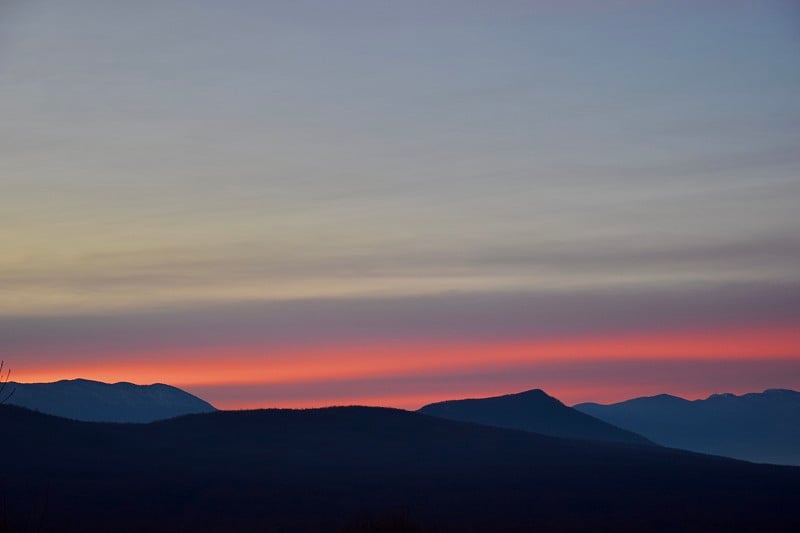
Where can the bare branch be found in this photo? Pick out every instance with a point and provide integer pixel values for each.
(4, 383)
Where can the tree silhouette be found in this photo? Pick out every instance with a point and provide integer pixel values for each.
(4, 396)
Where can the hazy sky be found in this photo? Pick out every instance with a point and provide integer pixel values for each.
(295, 203)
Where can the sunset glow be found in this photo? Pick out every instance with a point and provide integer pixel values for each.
(308, 367)
(271, 205)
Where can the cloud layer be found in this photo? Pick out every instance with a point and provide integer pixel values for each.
(257, 181)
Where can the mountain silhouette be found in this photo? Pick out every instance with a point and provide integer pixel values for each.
(328, 469)
(534, 411)
(761, 427)
(94, 401)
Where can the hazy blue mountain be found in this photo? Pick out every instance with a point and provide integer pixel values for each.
(534, 411)
(93, 401)
(332, 469)
(762, 427)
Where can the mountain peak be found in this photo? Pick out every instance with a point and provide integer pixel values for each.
(96, 401)
(722, 395)
(768, 393)
(531, 394)
(781, 392)
(533, 410)
(538, 393)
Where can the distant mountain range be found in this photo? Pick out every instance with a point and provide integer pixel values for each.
(533, 411)
(366, 469)
(93, 401)
(761, 427)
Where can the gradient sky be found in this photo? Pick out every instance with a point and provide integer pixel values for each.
(312, 203)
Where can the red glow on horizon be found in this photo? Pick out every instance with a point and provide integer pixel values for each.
(268, 365)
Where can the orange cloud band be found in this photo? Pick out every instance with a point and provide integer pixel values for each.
(233, 365)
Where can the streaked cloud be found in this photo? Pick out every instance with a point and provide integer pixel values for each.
(181, 178)
(449, 316)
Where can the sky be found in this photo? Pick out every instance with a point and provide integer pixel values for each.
(390, 203)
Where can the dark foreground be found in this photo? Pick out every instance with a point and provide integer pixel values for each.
(365, 469)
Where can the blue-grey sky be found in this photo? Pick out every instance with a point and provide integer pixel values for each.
(163, 160)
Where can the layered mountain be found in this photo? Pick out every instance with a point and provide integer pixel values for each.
(533, 411)
(761, 427)
(348, 469)
(93, 401)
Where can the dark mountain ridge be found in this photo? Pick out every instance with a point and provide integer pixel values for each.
(533, 411)
(761, 427)
(328, 469)
(94, 401)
